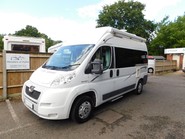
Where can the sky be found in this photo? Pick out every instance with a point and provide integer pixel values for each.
(66, 19)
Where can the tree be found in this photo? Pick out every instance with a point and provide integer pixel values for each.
(28, 31)
(126, 15)
(169, 35)
(33, 32)
(1, 42)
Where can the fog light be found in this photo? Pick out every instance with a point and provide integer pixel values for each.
(52, 115)
(45, 104)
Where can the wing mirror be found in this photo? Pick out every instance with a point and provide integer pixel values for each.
(95, 67)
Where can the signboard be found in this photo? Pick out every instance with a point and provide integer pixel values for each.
(174, 51)
(17, 61)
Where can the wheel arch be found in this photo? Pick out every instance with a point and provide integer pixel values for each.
(91, 94)
(141, 80)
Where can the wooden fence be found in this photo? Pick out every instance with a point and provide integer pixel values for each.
(165, 65)
(15, 78)
(1, 75)
(11, 81)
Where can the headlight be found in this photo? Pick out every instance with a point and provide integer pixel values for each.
(63, 80)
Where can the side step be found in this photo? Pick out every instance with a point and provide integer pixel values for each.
(119, 97)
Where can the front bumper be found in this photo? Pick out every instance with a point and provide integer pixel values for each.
(52, 103)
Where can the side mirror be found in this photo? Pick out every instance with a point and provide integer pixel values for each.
(97, 67)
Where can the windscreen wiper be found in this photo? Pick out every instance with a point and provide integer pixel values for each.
(50, 67)
(68, 66)
(59, 68)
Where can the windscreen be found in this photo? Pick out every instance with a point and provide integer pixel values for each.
(68, 57)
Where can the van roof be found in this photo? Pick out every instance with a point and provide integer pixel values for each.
(123, 33)
(93, 36)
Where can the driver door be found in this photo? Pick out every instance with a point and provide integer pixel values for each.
(103, 83)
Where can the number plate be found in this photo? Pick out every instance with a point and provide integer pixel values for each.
(29, 104)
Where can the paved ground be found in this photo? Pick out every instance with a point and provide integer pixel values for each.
(158, 113)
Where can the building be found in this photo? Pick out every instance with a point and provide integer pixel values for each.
(177, 54)
(26, 44)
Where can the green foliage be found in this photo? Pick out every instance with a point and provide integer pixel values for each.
(126, 15)
(28, 31)
(1, 42)
(169, 35)
(33, 32)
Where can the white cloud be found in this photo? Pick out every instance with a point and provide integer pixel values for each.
(13, 21)
(155, 9)
(92, 11)
(57, 28)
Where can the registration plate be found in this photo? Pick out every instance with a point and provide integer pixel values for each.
(29, 104)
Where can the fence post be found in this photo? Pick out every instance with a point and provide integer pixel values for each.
(154, 72)
(163, 66)
(4, 76)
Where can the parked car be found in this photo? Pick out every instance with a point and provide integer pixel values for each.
(151, 62)
(183, 69)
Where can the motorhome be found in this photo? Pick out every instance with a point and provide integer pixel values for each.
(26, 44)
(54, 48)
(84, 74)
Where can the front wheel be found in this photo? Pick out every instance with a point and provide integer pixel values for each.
(82, 109)
(139, 88)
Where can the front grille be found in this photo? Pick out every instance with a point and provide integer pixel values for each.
(35, 94)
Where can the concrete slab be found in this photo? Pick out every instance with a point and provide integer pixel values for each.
(109, 116)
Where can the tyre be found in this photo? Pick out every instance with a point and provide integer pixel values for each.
(82, 109)
(139, 88)
(150, 70)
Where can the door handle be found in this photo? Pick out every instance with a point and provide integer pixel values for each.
(111, 73)
(117, 72)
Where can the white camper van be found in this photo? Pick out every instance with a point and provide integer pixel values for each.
(54, 48)
(82, 75)
(27, 44)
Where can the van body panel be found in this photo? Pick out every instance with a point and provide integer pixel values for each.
(102, 84)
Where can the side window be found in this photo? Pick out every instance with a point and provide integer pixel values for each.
(105, 55)
(129, 57)
(123, 58)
